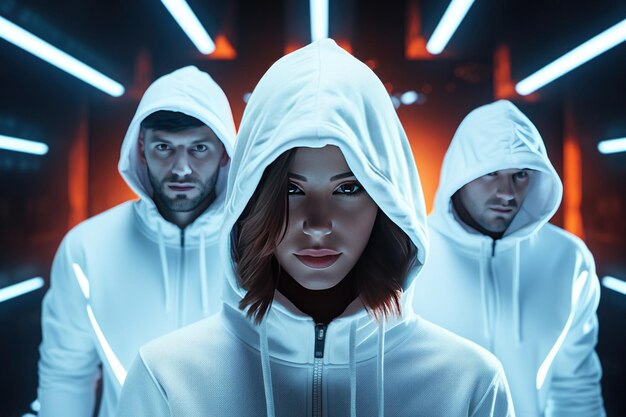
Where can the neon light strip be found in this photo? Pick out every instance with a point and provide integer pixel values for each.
(23, 145)
(189, 23)
(614, 284)
(612, 146)
(83, 282)
(450, 21)
(118, 369)
(319, 19)
(547, 362)
(42, 49)
(20, 288)
(573, 59)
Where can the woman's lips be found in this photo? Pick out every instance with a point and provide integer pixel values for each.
(318, 258)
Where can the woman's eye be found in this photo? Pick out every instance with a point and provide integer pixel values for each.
(294, 189)
(349, 188)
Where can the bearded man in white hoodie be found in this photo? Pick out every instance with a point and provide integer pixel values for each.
(500, 275)
(146, 267)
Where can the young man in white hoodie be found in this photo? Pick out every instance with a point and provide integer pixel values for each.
(146, 267)
(500, 275)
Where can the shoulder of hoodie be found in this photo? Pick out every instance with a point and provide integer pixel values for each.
(448, 350)
(557, 238)
(185, 347)
(107, 221)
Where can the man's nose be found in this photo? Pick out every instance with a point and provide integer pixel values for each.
(505, 189)
(181, 166)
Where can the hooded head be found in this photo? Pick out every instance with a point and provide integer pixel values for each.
(493, 144)
(188, 91)
(323, 98)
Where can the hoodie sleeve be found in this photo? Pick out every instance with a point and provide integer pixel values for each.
(575, 389)
(68, 365)
(496, 401)
(142, 395)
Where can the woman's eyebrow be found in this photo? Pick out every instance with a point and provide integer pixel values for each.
(333, 178)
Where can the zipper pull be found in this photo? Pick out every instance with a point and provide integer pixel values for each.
(320, 337)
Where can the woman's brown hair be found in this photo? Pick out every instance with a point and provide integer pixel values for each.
(380, 272)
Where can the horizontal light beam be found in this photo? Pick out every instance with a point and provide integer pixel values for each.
(452, 18)
(42, 49)
(189, 23)
(573, 59)
(319, 19)
(20, 288)
(612, 145)
(614, 284)
(23, 145)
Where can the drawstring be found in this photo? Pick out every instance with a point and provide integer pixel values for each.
(353, 368)
(483, 291)
(515, 294)
(203, 277)
(267, 375)
(381, 368)
(164, 269)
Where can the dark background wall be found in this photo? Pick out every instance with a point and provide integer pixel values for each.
(41, 197)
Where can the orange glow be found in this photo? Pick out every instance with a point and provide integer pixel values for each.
(503, 87)
(572, 179)
(223, 49)
(345, 45)
(77, 179)
(415, 43)
(292, 46)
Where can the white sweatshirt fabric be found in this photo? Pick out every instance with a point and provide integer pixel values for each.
(405, 366)
(529, 297)
(127, 276)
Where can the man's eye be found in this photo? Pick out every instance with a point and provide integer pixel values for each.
(521, 175)
(294, 189)
(200, 148)
(493, 174)
(162, 147)
(349, 188)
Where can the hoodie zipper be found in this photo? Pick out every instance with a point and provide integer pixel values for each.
(180, 293)
(495, 305)
(318, 367)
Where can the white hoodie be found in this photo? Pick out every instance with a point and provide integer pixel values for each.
(126, 276)
(227, 366)
(529, 297)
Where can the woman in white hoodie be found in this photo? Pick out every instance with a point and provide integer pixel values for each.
(324, 232)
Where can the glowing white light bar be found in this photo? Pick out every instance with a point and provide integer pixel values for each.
(612, 146)
(83, 282)
(23, 145)
(35, 406)
(319, 19)
(116, 365)
(450, 21)
(189, 23)
(615, 284)
(42, 49)
(573, 59)
(20, 288)
(408, 98)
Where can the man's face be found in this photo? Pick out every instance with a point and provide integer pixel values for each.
(183, 166)
(494, 199)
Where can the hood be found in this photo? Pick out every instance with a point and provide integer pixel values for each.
(316, 96)
(321, 95)
(495, 137)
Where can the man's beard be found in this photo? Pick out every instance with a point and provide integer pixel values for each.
(180, 203)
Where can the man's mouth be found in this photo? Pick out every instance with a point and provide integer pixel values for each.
(182, 187)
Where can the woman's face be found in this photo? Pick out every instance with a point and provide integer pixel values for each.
(330, 219)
